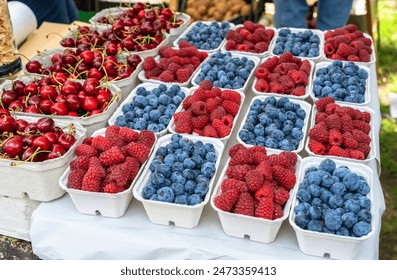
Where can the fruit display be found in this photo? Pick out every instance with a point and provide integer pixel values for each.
(109, 163)
(283, 75)
(150, 106)
(333, 200)
(205, 35)
(219, 10)
(181, 172)
(275, 123)
(79, 64)
(257, 184)
(299, 42)
(348, 43)
(173, 65)
(58, 95)
(36, 140)
(250, 38)
(340, 131)
(345, 82)
(226, 70)
(209, 112)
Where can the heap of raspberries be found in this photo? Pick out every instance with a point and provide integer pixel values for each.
(174, 65)
(340, 131)
(347, 43)
(257, 184)
(109, 163)
(283, 75)
(250, 37)
(209, 111)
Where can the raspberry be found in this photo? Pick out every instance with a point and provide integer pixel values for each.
(250, 26)
(264, 209)
(233, 150)
(218, 113)
(338, 151)
(266, 190)
(345, 50)
(228, 120)
(287, 83)
(91, 180)
(317, 147)
(138, 150)
(112, 188)
(210, 131)
(337, 40)
(189, 100)
(266, 169)
(361, 125)
(364, 148)
(128, 134)
(182, 122)
(95, 162)
(305, 67)
(227, 200)
(273, 77)
(298, 77)
(261, 47)
(330, 108)
(206, 84)
(120, 175)
(293, 157)
(101, 143)
(183, 75)
(245, 205)
(199, 122)
(212, 104)
(361, 136)
(333, 121)
(299, 91)
(322, 102)
(88, 140)
(153, 74)
(366, 41)
(149, 63)
(188, 51)
(80, 162)
(335, 137)
(183, 44)
(194, 62)
(75, 178)
(350, 27)
(286, 57)
(166, 51)
(356, 154)
(280, 196)
(277, 211)
(230, 45)
(347, 123)
(238, 171)
(230, 107)
(329, 49)
(242, 48)
(242, 156)
(349, 142)
(228, 184)
(353, 57)
(231, 95)
(112, 129)
(166, 77)
(222, 129)
(276, 88)
(340, 31)
(254, 180)
(112, 156)
(262, 73)
(86, 150)
(262, 85)
(280, 159)
(328, 34)
(199, 108)
(366, 116)
(115, 139)
(270, 63)
(284, 177)
(319, 132)
(258, 157)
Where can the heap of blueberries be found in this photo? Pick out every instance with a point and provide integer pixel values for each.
(207, 36)
(344, 82)
(151, 109)
(226, 71)
(181, 172)
(333, 200)
(302, 43)
(275, 124)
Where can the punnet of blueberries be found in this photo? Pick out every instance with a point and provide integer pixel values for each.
(226, 71)
(300, 43)
(181, 172)
(333, 199)
(207, 36)
(151, 109)
(274, 123)
(343, 82)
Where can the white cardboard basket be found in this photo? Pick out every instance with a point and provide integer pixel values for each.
(303, 97)
(241, 226)
(255, 59)
(367, 94)
(90, 123)
(372, 154)
(131, 96)
(304, 105)
(37, 180)
(325, 244)
(171, 127)
(95, 203)
(163, 213)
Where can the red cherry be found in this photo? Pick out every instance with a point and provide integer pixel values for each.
(58, 78)
(31, 89)
(133, 60)
(7, 97)
(34, 66)
(48, 92)
(67, 42)
(57, 57)
(45, 106)
(90, 103)
(8, 124)
(27, 140)
(16, 106)
(73, 103)
(31, 129)
(44, 81)
(33, 109)
(19, 87)
(95, 73)
(56, 152)
(34, 100)
(13, 146)
(45, 124)
(59, 108)
(4, 111)
(90, 85)
(66, 140)
(104, 95)
(51, 136)
(87, 57)
(72, 114)
(21, 124)
(41, 142)
(111, 49)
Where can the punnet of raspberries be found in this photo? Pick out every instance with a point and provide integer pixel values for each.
(283, 75)
(109, 163)
(257, 184)
(174, 65)
(347, 43)
(209, 111)
(249, 37)
(340, 131)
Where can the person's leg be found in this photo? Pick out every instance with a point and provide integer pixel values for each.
(333, 13)
(290, 13)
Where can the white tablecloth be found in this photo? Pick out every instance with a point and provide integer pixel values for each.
(59, 231)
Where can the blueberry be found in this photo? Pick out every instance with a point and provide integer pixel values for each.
(315, 225)
(316, 201)
(201, 189)
(335, 201)
(301, 219)
(148, 191)
(338, 189)
(178, 188)
(194, 199)
(341, 172)
(177, 177)
(314, 212)
(188, 174)
(352, 205)
(333, 220)
(315, 191)
(364, 215)
(314, 178)
(165, 194)
(157, 179)
(210, 156)
(177, 167)
(342, 231)
(164, 169)
(181, 199)
(351, 181)
(190, 186)
(349, 219)
(303, 195)
(361, 229)
(364, 203)
(208, 169)
(363, 188)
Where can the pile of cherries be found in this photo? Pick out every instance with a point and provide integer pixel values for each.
(57, 95)
(33, 141)
(134, 29)
(79, 64)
